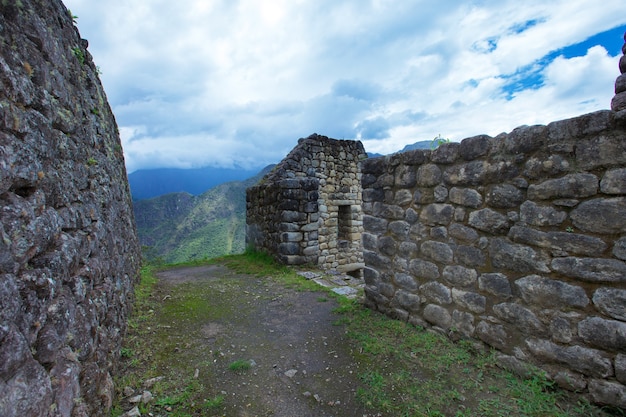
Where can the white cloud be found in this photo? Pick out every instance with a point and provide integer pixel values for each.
(226, 83)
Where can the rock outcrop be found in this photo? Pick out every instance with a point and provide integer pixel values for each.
(68, 249)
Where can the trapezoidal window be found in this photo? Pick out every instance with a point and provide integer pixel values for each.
(344, 223)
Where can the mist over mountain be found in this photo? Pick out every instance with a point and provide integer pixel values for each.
(180, 227)
(148, 183)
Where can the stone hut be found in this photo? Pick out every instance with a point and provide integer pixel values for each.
(308, 208)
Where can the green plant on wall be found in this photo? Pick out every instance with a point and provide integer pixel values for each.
(438, 141)
(72, 16)
(79, 54)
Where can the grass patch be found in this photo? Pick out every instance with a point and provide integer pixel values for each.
(403, 370)
(240, 366)
(409, 371)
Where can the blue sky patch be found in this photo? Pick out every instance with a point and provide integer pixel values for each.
(530, 77)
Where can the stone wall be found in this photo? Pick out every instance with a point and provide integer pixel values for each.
(308, 208)
(68, 252)
(518, 241)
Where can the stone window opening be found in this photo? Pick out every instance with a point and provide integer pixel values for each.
(344, 226)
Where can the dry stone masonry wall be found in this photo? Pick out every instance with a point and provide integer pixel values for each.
(518, 241)
(308, 208)
(68, 249)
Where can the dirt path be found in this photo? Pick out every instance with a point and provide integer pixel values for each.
(300, 362)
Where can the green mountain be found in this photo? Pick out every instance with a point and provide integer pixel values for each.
(180, 227)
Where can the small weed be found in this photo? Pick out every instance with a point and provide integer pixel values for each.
(438, 141)
(95, 111)
(72, 16)
(214, 403)
(79, 54)
(127, 352)
(239, 366)
(322, 299)
(92, 161)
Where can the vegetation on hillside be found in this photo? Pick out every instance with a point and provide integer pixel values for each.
(180, 227)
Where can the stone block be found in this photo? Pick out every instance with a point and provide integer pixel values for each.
(310, 227)
(402, 197)
(549, 293)
(570, 186)
(410, 216)
(311, 250)
(407, 300)
(619, 248)
(428, 175)
(591, 269)
(570, 243)
(436, 292)
(504, 196)
(463, 322)
(400, 229)
(376, 261)
(440, 193)
(489, 221)
(561, 329)
(408, 250)
(437, 316)
(469, 256)
(475, 147)
(289, 183)
(371, 276)
(405, 176)
(459, 276)
(537, 215)
(375, 225)
(467, 197)
(607, 392)
(373, 295)
(388, 246)
(524, 319)
(614, 181)
(604, 334)
(291, 205)
(611, 301)
(373, 194)
(406, 282)
(446, 153)
(292, 216)
(570, 381)
(601, 215)
(463, 233)
(469, 300)
(436, 214)
(423, 270)
(291, 237)
(496, 284)
(289, 248)
(516, 366)
(620, 368)
(587, 361)
(439, 232)
(514, 257)
(392, 212)
(437, 251)
(494, 335)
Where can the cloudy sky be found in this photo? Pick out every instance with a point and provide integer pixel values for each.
(233, 83)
